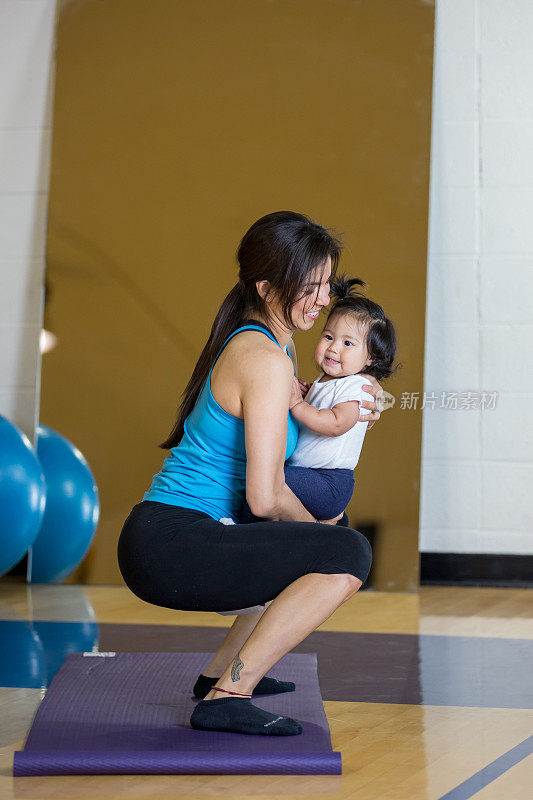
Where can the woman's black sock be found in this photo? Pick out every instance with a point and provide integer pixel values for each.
(266, 685)
(239, 715)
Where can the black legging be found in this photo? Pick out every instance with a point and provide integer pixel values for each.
(184, 559)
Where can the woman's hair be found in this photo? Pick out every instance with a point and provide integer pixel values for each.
(283, 248)
(380, 337)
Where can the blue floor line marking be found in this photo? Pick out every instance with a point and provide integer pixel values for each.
(492, 771)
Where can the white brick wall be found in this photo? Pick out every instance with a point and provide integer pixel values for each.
(477, 466)
(26, 90)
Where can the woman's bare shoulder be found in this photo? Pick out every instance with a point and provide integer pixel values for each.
(256, 353)
(253, 343)
(249, 360)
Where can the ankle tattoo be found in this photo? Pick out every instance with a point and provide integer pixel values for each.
(236, 668)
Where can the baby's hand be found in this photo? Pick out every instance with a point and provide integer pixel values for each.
(304, 386)
(296, 393)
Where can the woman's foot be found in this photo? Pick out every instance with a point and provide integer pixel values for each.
(266, 685)
(239, 715)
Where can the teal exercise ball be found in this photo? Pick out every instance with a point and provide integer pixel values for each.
(72, 508)
(22, 495)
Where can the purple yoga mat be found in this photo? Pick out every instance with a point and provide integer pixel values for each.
(128, 713)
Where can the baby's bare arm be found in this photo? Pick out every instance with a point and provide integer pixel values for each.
(327, 421)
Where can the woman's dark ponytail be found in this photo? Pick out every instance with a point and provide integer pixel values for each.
(230, 314)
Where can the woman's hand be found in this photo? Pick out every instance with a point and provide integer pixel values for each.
(331, 521)
(296, 393)
(373, 388)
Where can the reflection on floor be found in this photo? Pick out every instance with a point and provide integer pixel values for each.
(421, 692)
(355, 667)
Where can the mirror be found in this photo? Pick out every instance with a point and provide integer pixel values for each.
(176, 125)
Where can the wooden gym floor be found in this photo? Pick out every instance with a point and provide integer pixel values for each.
(428, 696)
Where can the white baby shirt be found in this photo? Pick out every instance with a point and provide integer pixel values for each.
(332, 452)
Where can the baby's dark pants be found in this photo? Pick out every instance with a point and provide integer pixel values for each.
(325, 493)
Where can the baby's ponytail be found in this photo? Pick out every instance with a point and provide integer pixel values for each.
(342, 288)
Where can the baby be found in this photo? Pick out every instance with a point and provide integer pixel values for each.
(357, 338)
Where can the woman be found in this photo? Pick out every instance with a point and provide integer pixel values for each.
(231, 438)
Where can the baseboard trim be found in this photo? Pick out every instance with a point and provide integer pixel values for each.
(476, 569)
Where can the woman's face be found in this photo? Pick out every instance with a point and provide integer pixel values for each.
(305, 310)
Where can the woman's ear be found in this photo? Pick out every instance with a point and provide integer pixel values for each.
(263, 288)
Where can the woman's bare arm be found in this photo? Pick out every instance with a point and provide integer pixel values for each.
(266, 383)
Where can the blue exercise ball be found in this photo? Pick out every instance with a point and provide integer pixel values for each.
(22, 495)
(72, 508)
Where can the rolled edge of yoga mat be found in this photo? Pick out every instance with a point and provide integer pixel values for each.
(169, 762)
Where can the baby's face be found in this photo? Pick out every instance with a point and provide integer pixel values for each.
(342, 347)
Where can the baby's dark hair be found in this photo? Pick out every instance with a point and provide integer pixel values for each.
(381, 336)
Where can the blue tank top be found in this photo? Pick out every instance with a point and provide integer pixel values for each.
(207, 469)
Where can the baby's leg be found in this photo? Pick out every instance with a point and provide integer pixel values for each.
(325, 493)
